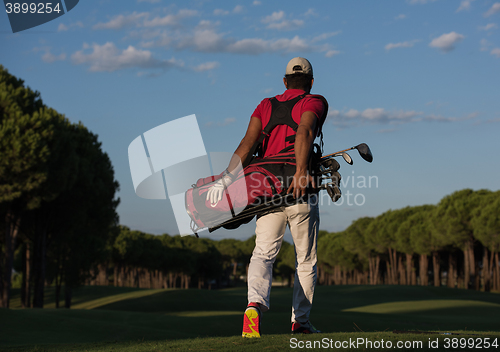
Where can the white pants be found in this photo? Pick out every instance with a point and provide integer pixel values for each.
(303, 220)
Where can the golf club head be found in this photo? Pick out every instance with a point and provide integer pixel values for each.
(365, 152)
(347, 158)
(330, 164)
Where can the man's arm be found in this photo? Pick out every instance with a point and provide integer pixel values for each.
(303, 144)
(251, 136)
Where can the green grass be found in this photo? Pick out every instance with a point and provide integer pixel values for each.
(127, 319)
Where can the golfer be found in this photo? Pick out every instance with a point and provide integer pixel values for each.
(308, 112)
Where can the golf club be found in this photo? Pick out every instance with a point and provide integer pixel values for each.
(363, 149)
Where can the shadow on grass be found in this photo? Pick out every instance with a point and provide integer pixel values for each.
(120, 314)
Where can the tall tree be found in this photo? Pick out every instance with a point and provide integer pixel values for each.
(486, 225)
(454, 215)
(424, 243)
(26, 135)
(356, 242)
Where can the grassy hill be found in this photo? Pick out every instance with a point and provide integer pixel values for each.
(113, 318)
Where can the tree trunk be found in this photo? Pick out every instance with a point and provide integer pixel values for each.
(436, 268)
(472, 264)
(235, 267)
(477, 270)
(374, 263)
(115, 275)
(122, 277)
(424, 275)
(401, 271)
(486, 272)
(391, 267)
(26, 285)
(450, 282)
(409, 268)
(11, 234)
(497, 271)
(58, 290)
(39, 267)
(103, 274)
(68, 293)
(466, 266)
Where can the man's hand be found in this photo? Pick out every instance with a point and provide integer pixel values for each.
(299, 184)
(215, 192)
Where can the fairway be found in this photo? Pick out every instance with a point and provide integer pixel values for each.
(114, 318)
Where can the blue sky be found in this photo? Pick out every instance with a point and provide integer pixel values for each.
(417, 80)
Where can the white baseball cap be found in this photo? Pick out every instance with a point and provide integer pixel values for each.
(299, 65)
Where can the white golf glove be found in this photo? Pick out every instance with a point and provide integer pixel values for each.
(215, 193)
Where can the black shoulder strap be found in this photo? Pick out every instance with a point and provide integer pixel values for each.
(281, 114)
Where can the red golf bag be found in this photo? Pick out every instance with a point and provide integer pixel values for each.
(254, 185)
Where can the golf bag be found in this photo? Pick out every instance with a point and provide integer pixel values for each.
(260, 185)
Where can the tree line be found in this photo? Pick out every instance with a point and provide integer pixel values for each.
(57, 195)
(454, 243)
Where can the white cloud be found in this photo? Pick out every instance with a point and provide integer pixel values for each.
(310, 12)
(207, 66)
(227, 121)
(446, 42)
(286, 25)
(220, 12)
(464, 5)
(170, 20)
(371, 116)
(121, 21)
(48, 57)
(62, 27)
(413, 2)
(400, 17)
(332, 53)
(325, 36)
(354, 117)
(256, 2)
(485, 45)
(277, 20)
(274, 17)
(142, 20)
(238, 9)
(109, 58)
(488, 27)
(150, 1)
(494, 9)
(407, 44)
(258, 46)
(496, 52)
(206, 38)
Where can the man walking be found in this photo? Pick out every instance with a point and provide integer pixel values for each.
(297, 117)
